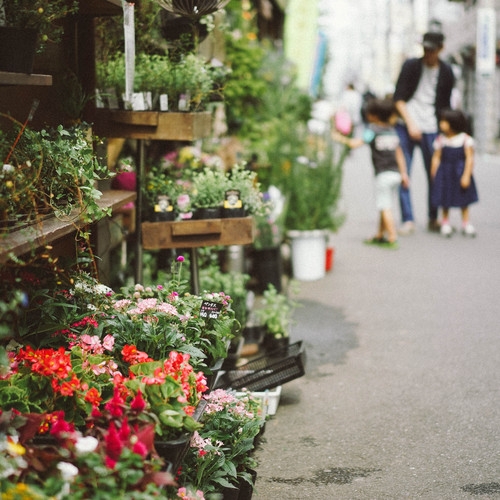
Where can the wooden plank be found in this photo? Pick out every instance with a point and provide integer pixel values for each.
(198, 233)
(207, 226)
(9, 78)
(46, 231)
(148, 118)
(141, 125)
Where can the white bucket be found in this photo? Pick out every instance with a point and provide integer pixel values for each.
(308, 254)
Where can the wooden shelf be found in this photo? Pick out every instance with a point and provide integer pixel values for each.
(46, 231)
(198, 233)
(8, 78)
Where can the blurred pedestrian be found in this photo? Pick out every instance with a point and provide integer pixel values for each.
(451, 170)
(388, 163)
(351, 101)
(423, 89)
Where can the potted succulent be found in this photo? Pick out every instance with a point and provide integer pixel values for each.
(39, 22)
(275, 314)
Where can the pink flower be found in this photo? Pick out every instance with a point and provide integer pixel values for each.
(180, 258)
(108, 342)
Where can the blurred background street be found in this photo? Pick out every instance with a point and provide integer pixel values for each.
(401, 393)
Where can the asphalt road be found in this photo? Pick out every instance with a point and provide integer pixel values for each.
(401, 393)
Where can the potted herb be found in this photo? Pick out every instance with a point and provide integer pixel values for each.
(209, 188)
(39, 22)
(275, 314)
(181, 86)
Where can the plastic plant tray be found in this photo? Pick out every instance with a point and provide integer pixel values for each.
(265, 372)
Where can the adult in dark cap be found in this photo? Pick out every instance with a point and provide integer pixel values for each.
(423, 89)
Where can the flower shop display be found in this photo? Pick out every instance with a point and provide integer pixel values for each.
(172, 177)
(93, 407)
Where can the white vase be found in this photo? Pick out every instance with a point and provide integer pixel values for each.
(308, 254)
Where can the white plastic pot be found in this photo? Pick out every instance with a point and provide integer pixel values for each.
(308, 253)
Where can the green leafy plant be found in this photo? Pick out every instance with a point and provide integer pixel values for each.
(51, 171)
(275, 312)
(313, 189)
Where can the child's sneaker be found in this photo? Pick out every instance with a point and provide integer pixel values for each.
(468, 230)
(446, 230)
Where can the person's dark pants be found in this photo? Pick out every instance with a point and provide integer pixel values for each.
(408, 146)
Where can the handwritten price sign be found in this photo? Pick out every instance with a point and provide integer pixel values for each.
(210, 310)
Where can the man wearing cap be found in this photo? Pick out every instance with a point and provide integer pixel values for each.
(423, 89)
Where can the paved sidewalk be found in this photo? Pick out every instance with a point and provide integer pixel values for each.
(401, 395)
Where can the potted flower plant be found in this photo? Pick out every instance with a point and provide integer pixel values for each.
(219, 458)
(275, 314)
(39, 22)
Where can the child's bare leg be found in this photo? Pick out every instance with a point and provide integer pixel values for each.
(380, 228)
(446, 212)
(387, 225)
(465, 216)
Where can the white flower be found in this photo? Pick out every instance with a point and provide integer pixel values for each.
(68, 471)
(7, 168)
(86, 445)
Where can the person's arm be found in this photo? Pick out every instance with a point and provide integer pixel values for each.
(413, 129)
(400, 159)
(351, 142)
(469, 166)
(435, 161)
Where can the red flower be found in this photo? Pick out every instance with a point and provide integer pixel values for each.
(133, 356)
(115, 404)
(60, 425)
(68, 387)
(138, 403)
(93, 397)
(114, 445)
(140, 449)
(47, 362)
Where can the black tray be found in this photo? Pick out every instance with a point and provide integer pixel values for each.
(275, 368)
